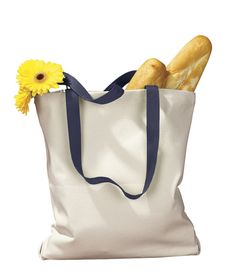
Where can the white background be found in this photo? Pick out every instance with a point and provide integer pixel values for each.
(97, 41)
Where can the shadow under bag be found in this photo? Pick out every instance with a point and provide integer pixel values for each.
(115, 161)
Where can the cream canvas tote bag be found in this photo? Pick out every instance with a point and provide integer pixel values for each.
(115, 161)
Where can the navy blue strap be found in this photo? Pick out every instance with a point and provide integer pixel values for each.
(122, 80)
(75, 91)
(114, 93)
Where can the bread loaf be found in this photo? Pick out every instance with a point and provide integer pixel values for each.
(185, 70)
(151, 72)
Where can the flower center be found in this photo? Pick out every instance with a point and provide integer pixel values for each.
(40, 76)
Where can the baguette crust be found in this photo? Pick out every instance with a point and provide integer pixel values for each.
(151, 72)
(186, 69)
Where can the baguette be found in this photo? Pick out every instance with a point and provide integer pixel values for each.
(151, 72)
(185, 70)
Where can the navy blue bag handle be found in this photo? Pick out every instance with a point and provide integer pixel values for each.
(75, 91)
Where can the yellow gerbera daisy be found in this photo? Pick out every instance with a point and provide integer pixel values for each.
(22, 100)
(38, 76)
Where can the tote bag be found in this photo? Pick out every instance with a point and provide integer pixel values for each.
(115, 160)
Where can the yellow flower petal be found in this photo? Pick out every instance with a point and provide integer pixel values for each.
(22, 100)
(38, 76)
